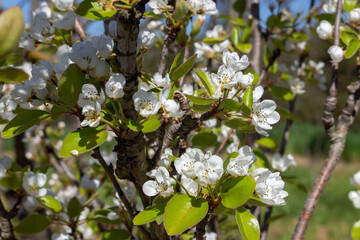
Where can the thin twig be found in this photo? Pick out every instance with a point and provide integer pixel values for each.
(256, 53)
(224, 141)
(80, 29)
(97, 155)
(276, 53)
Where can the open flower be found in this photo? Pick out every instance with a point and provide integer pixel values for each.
(185, 164)
(172, 109)
(89, 184)
(190, 185)
(240, 165)
(41, 28)
(84, 55)
(264, 115)
(33, 183)
(90, 96)
(226, 77)
(336, 53)
(162, 184)
(282, 163)
(269, 187)
(146, 103)
(158, 5)
(66, 21)
(5, 164)
(355, 180)
(114, 87)
(297, 86)
(63, 4)
(92, 115)
(324, 30)
(233, 61)
(207, 6)
(160, 81)
(210, 170)
(354, 197)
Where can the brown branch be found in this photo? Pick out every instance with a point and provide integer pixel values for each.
(224, 141)
(256, 54)
(110, 172)
(276, 53)
(336, 135)
(201, 226)
(7, 229)
(80, 29)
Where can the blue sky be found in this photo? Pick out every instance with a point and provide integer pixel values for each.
(96, 28)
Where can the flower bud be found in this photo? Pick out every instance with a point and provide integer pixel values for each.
(336, 54)
(355, 15)
(324, 30)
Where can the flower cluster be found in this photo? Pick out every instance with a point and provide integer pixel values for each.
(201, 6)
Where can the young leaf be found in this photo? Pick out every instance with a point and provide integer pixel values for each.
(180, 10)
(151, 124)
(50, 203)
(349, 5)
(268, 142)
(116, 234)
(355, 232)
(352, 48)
(74, 208)
(200, 100)
(218, 40)
(325, 16)
(248, 224)
(23, 121)
(183, 212)
(133, 124)
(184, 68)
(12, 180)
(149, 214)
(177, 61)
(262, 161)
(244, 47)
(281, 93)
(248, 97)
(230, 105)
(238, 123)
(95, 10)
(206, 139)
(206, 81)
(101, 217)
(70, 84)
(11, 29)
(285, 113)
(83, 140)
(12, 75)
(33, 224)
(236, 191)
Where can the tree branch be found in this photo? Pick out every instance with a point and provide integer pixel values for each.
(256, 54)
(276, 53)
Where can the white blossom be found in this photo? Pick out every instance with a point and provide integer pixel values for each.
(240, 165)
(233, 61)
(158, 5)
(165, 159)
(6, 108)
(226, 77)
(209, 170)
(211, 123)
(162, 184)
(324, 30)
(146, 38)
(354, 197)
(185, 163)
(114, 87)
(219, 48)
(89, 184)
(355, 180)
(33, 183)
(30, 203)
(43, 8)
(61, 236)
(208, 6)
(84, 55)
(216, 32)
(66, 21)
(247, 80)
(102, 69)
(330, 6)
(5, 164)
(172, 109)
(297, 86)
(92, 115)
(155, 24)
(103, 44)
(188, 89)
(146, 103)
(63, 4)
(62, 54)
(264, 115)
(269, 187)
(90, 96)
(190, 185)
(27, 42)
(336, 54)
(41, 74)
(160, 81)
(282, 163)
(42, 29)
(355, 15)
(204, 51)
(112, 216)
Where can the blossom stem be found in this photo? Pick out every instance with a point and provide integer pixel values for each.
(120, 109)
(178, 182)
(110, 124)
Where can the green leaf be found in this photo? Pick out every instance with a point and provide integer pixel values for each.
(74, 208)
(262, 161)
(235, 35)
(206, 81)
(11, 29)
(184, 68)
(325, 16)
(149, 214)
(32, 224)
(180, 10)
(177, 61)
(12, 180)
(50, 203)
(349, 5)
(248, 97)
(200, 100)
(12, 75)
(196, 28)
(239, 124)
(183, 212)
(236, 191)
(244, 47)
(23, 121)
(285, 113)
(205, 139)
(151, 124)
(229, 105)
(347, 35)
(248, 224)
(83, 140)
(56, 112)
(101, 217)
(281, 93)
(256, 202)
(218, 40)
(115, 234)
(298, 37)
(268, 142)
(352, 48)
(355, 232)
(133, 124)
(152, 14)
(240, 6)
(70, 84)
(201, 108)
(95, 10)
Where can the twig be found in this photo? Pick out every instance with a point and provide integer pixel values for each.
(336, 134)
(97, 155)
(7, 229)
(80, 29)
(276, 53)
(224, 141)
(256, 54)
